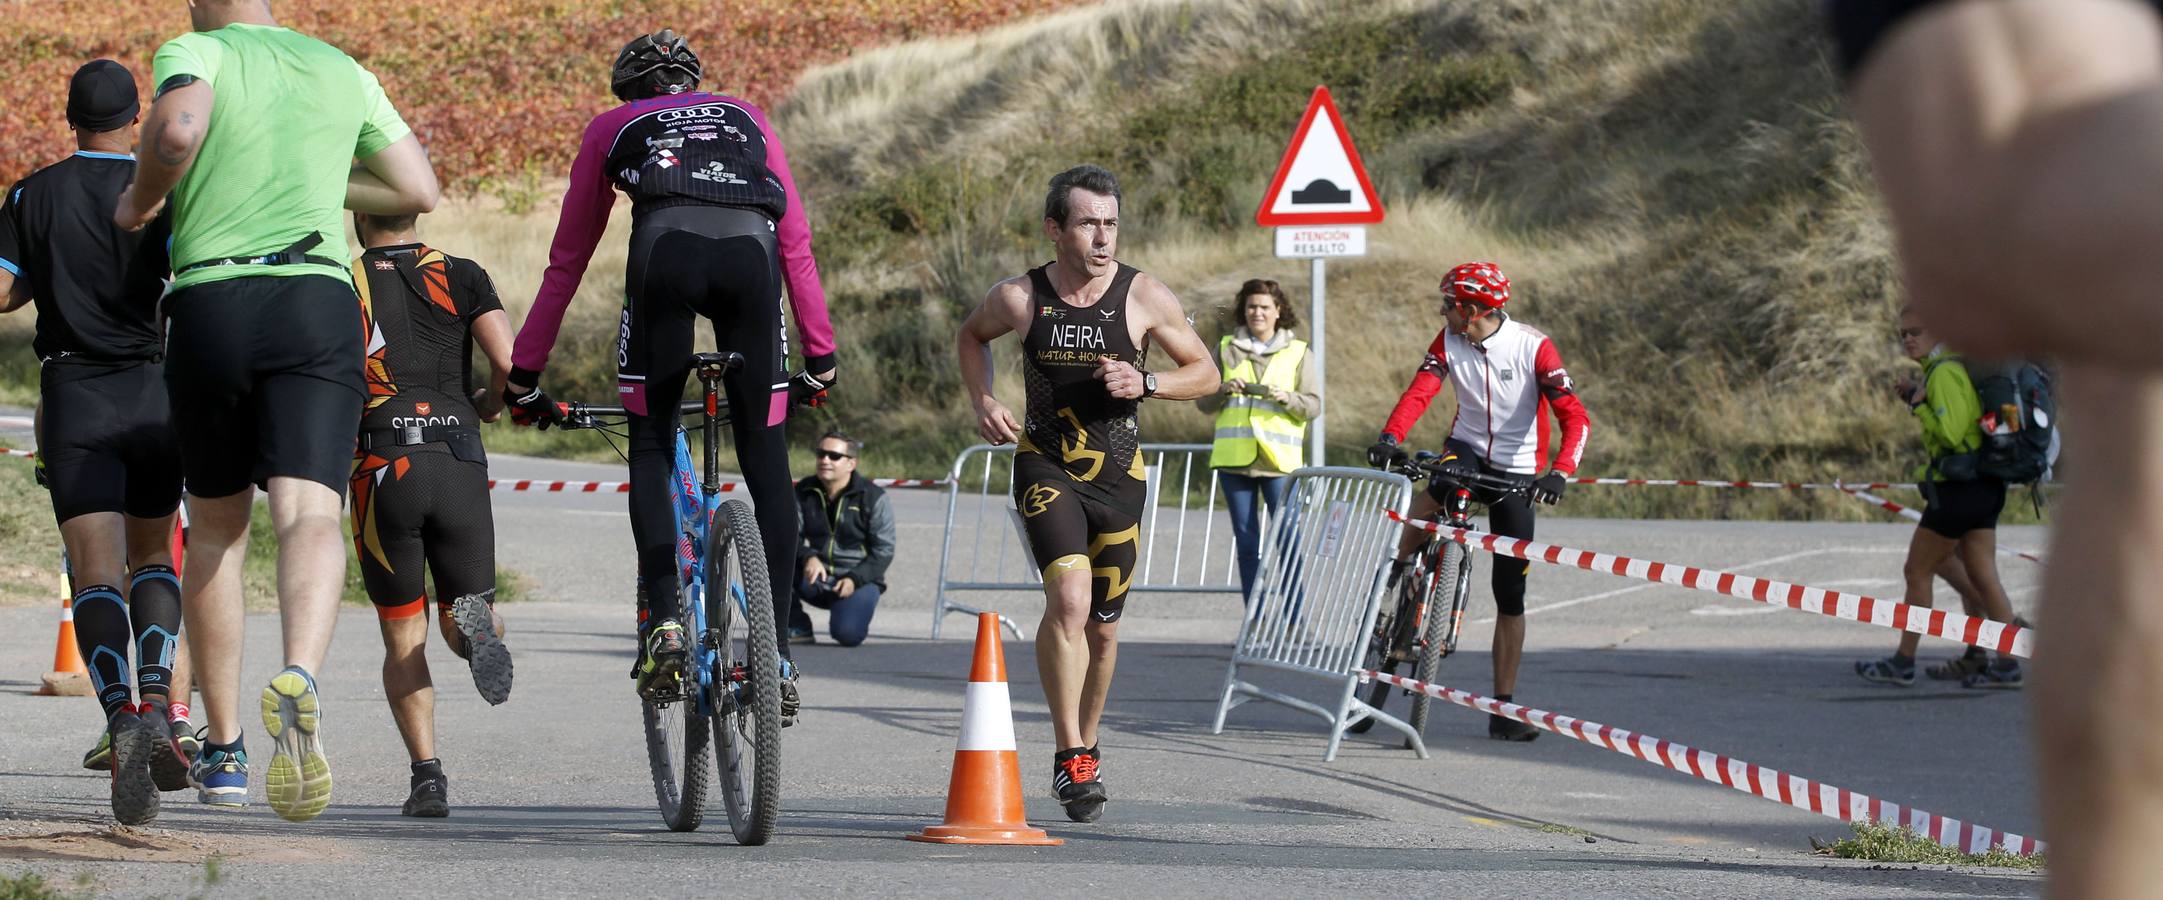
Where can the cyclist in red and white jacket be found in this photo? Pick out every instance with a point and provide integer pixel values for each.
(1507, 376)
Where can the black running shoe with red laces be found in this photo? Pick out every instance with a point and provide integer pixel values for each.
(1074, 779)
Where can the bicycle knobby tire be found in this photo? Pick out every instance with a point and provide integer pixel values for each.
(679, 783)
(1438, 634)
(755, 723)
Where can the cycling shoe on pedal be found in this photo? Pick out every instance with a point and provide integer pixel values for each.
(791, 702)
(665, 659)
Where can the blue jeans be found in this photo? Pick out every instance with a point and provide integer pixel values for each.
(1239, 495)
(850, 620)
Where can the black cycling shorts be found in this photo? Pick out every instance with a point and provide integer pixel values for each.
(416, 505)
(1069, 530)
(1954, 508)
(108, 444)
(1509, 515)
(716, 262)
(265, 377)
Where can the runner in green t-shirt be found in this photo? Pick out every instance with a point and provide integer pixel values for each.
(253, 133)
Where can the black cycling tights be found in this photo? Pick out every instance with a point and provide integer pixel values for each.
(1509, 515)
(722, 264)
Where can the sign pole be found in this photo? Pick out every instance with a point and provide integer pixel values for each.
(1317, 300)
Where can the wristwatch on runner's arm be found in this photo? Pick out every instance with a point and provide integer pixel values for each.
(1149, 384)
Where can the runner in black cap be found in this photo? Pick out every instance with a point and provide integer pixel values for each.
(107, 439)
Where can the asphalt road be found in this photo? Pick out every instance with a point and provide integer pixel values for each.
(551, 797)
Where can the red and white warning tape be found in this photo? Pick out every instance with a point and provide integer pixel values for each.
(10, 451)
(1998, 636)
(1773, 485)
(575, 487)
(1912, 515)
(1771, 784)
(624, 487)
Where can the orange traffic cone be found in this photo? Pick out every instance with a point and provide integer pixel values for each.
(69, 677)
(983, 801)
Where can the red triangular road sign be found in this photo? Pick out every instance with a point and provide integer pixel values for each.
(1321, 180)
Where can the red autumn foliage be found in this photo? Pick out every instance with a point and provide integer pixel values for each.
(497, 89)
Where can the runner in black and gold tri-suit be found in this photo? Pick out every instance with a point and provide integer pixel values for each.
(1086, 323)
(1077, 475)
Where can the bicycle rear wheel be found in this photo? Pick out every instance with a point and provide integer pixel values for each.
(747, 725)
(1439, 633)
(677, 745)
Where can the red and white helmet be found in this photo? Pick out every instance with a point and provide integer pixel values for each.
(1477, 282)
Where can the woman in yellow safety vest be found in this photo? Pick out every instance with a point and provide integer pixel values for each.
(1262, 412)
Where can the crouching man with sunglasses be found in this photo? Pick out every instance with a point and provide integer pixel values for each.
(848, 541)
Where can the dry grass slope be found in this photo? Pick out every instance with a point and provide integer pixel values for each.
(1672, 183)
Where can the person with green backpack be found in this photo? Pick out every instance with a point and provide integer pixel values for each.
(1962, 503)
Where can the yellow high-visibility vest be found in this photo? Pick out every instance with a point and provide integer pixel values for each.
(1249, 426)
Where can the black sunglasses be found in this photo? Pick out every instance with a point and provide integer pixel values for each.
(1909, 332)
(832, 456)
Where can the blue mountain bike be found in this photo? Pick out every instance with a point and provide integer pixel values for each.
(732, 689)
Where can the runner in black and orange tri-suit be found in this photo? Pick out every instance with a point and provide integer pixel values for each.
(420, 477)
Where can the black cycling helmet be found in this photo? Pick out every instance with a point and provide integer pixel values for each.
(654, 64)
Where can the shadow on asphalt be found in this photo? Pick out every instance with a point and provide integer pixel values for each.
(1797, 711)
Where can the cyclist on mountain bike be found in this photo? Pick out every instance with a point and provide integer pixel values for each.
(1506, 376)
(717, 230)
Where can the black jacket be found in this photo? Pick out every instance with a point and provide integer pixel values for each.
(853, 536)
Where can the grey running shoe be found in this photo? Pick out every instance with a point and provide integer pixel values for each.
(486, 656)
(1886, 671)
(135, 791)
(2003, 675)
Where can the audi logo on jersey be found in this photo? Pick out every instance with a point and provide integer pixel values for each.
(693, 112)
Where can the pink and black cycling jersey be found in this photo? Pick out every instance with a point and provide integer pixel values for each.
(683, 149)
(1505, 386)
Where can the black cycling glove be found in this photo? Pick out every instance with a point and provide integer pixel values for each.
(1384, 453)
(806, 389)
(534, 408)
(1548, 489)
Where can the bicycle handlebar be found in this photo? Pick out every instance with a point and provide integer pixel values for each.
(1431, 465)
(580, 415)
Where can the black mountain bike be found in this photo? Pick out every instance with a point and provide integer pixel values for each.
(732, 689)
(1421, 627)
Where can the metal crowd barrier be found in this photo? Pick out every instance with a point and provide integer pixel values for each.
(1186, 539)
(1317, 595)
